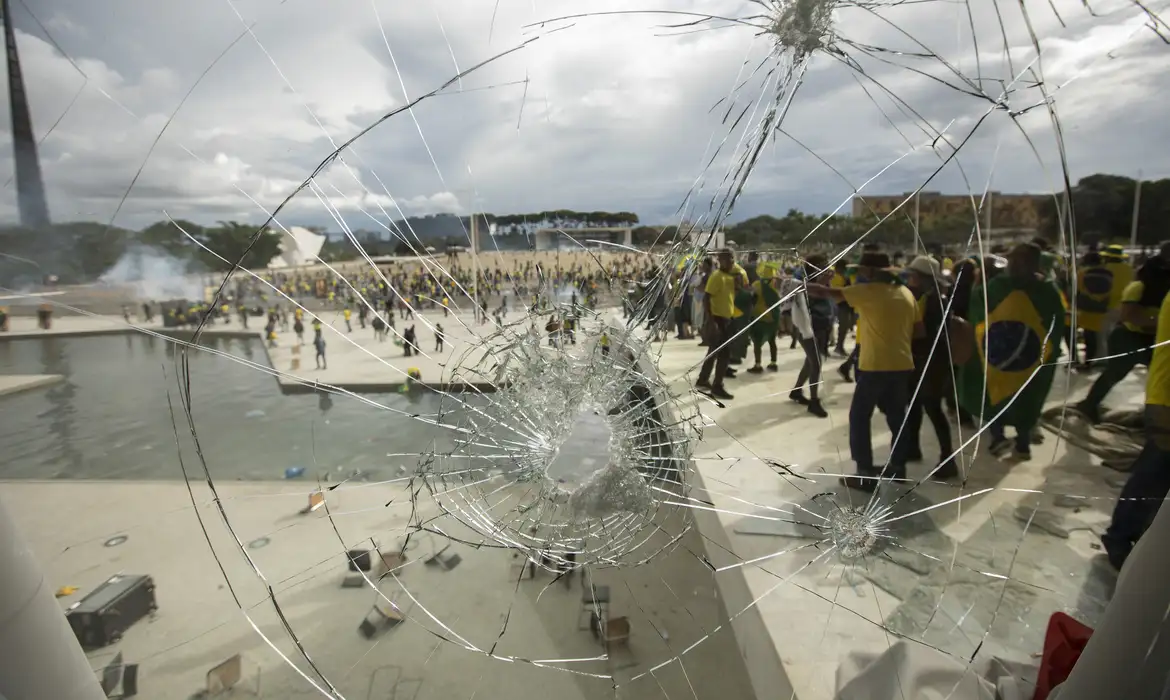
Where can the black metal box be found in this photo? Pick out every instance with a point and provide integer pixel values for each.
(101, 617)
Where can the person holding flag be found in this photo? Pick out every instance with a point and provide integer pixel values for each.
(1018, 324)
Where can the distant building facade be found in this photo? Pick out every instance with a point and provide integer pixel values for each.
(1008, 211)
(569, 238)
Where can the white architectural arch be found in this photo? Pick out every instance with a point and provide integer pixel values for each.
(299, 246)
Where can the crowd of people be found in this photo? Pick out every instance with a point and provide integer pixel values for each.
(421, 284)
(979, 337)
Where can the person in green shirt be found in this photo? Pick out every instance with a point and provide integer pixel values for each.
(766, 317)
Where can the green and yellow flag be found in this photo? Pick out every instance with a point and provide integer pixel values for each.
(1016, 342)
(1094, 289)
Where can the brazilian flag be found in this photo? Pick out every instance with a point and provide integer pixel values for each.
(1094, 287)
(1017, 338)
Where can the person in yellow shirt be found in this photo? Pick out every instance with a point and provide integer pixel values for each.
(741, 308)
(1131, 340)
(888, 314)
(1149, 479)
(718, 307)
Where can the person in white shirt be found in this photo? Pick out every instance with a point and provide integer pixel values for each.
(802, 323)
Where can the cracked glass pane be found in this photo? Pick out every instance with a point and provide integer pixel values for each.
(372, 437)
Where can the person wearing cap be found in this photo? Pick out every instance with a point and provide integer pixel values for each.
(719, 302)
(1149, 478)
(1131, 341)
(1018, 322)
(932, 377)
(885, 363)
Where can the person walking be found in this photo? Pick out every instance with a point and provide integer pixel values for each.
(1018, 324)
(766, 315)
(719, 304)
(933, 376)
(885, 363)
(1131, 340)
(1149, 478)
(319, 346)
(810, 340)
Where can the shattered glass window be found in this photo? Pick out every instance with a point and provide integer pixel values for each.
(371, 436)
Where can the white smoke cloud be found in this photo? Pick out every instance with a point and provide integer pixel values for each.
(155, 275)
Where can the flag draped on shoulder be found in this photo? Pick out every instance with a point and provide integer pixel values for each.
(1094, 289)
(1017, 340)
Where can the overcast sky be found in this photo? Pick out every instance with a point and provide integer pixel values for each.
(615, 112)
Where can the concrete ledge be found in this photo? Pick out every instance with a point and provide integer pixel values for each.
(17, 383)
(752, 637)
(306, 387)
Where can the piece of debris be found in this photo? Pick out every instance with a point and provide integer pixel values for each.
(316, 500)
(443, 560)
(378, 620)
(66, 591)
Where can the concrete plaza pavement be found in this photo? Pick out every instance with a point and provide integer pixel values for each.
(976, 566)
(971, 566)
(454, 618)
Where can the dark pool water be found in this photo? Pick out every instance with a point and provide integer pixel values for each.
(110, 418)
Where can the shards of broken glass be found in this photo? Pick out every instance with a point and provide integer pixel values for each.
(568, 457)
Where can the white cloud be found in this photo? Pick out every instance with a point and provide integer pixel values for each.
(613, 112)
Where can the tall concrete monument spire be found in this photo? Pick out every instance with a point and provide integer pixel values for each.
(30, 188)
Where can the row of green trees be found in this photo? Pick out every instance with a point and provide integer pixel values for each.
(1103, 209)
(897, 230)
(564, 218)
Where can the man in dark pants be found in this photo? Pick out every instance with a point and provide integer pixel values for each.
(1149, 480)
(719, 304)
(932, 367)
(885, 364)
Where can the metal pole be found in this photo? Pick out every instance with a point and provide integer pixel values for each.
(1137, 203)
(988, 224)
(475, 260)
(917, 220)
(41, 656)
